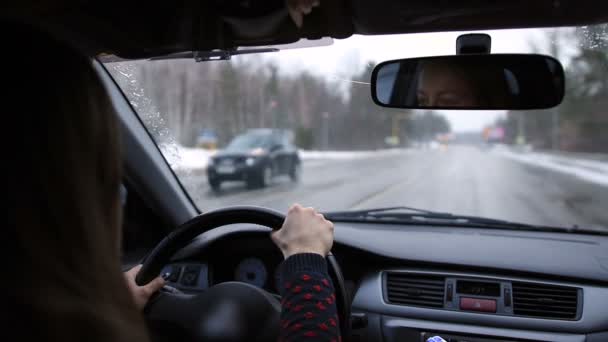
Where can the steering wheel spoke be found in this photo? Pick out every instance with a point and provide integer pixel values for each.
(170, 309)
(223, 313)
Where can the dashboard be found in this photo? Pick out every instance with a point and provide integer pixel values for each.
(410, 283)
(248, 258)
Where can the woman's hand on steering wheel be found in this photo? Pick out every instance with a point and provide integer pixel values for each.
(304, 231)
(141, 294)
(256, 311)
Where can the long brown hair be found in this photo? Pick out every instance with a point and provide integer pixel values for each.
(64, 279)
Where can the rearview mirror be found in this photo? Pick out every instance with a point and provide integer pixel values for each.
(501, 81)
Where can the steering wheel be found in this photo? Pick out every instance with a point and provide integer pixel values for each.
(231, 311)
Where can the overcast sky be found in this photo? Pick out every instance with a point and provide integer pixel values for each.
(338, 61)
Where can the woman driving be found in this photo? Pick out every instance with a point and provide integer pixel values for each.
(65, 227)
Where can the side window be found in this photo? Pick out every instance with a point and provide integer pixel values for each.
(280, 142)
(290, 140)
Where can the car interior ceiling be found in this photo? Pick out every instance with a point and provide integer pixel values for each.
(137, 31)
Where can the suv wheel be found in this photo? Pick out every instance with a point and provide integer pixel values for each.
(266, 176)
(296, 172)
(215, 185)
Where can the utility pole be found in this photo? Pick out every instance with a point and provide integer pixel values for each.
(273, 111)
(521, 135)
(325, 130)
(396, 126)
(555, 129)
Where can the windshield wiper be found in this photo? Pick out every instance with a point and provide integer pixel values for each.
(410, 215)
(375, 211)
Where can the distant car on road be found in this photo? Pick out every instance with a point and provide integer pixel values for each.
(255, 157)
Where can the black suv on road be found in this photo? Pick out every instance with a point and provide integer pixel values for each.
(255, 157)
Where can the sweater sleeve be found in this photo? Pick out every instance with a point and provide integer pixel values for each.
(308, 300)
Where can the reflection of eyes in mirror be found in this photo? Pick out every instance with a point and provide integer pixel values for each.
(444, 99)
(445, 85)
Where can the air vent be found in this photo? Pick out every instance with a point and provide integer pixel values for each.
(415, 289)
(545, 301)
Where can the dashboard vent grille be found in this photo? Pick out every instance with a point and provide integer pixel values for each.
(415, 289)
(545, 301)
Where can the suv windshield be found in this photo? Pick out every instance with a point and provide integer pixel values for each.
(341, 152)
(249, 141)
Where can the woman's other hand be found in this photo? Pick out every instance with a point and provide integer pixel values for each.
(141, 294)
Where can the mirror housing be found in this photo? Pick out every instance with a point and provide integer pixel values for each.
(470, 81)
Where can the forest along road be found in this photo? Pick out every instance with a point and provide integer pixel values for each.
(459, 179)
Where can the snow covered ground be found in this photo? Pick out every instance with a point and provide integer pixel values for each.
(195, 159)
(591, 170)
(186, 158)
(346, 155)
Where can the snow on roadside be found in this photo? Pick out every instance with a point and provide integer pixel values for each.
(186, 158)
(594, 171)
(346, 155)
(193, 159)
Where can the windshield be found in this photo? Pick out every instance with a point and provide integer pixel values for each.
(249, 142)
(343, 152)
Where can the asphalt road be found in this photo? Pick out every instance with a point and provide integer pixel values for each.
(462, 179)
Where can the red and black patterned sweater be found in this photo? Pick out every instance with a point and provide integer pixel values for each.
(309, 302)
